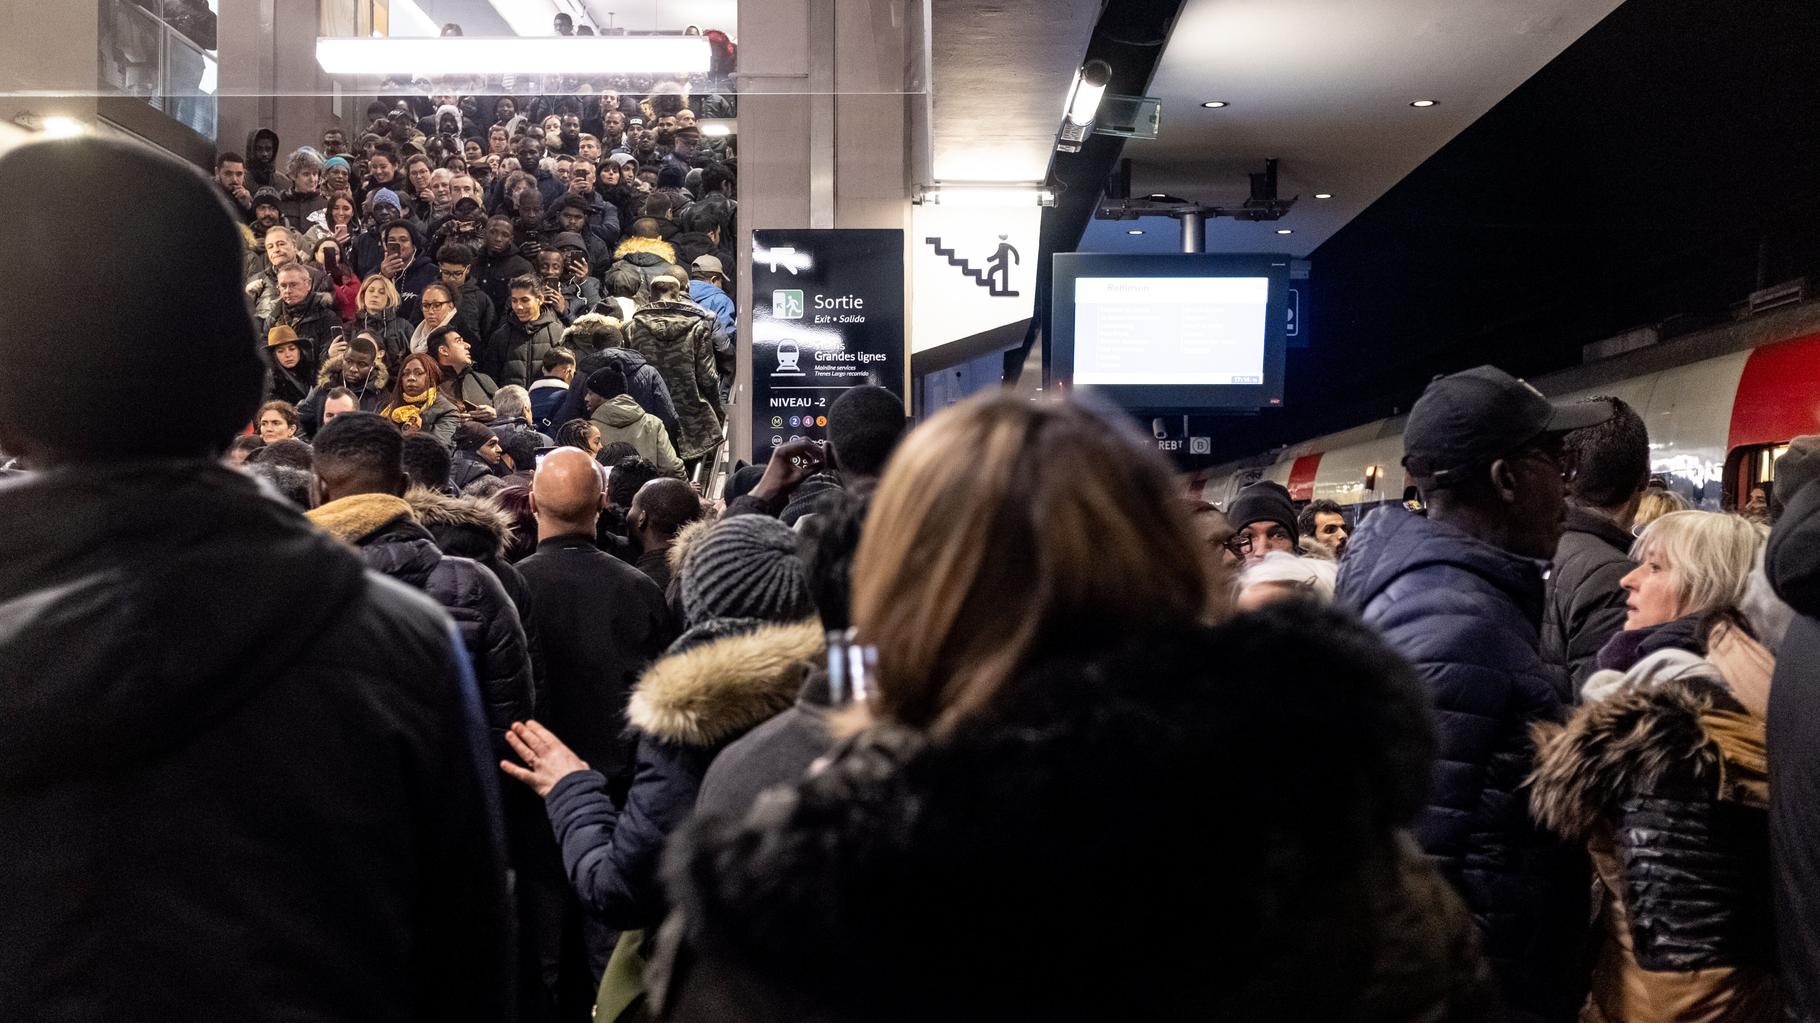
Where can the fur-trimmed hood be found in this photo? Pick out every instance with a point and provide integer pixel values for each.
(330, 374)
(685, 539)
(652, 246)
(721, 689)
(1687, 731)
(351, 519)
(481, 516)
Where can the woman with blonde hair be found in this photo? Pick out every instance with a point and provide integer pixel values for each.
(1662, 773)
(376, 311)
(1657, 502)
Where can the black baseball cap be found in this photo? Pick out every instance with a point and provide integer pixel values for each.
(1475, 417)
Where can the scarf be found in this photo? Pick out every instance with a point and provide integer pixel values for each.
(409, 413)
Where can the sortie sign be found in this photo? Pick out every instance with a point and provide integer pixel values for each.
(827, 314)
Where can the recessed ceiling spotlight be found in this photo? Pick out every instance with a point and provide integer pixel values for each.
(1134, 231)
(1422, 103)
(1284, 230)
(1214, 104)
(1323, 195)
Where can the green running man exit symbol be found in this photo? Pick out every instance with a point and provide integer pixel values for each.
(787, 305)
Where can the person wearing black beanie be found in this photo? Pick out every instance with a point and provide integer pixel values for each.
(1265, 518)
(176, 631)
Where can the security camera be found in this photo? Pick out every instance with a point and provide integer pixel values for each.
(1159, 428)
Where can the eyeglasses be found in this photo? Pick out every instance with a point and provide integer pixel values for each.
(1239, 545)
(428, 304)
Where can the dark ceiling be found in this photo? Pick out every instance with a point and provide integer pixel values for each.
(1661, 167)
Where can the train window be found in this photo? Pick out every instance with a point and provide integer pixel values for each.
(1750, 468)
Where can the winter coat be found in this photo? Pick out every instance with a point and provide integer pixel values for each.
(678, 338)
(1331, 916)
(393, 332)
(1584, 605)
(643, 382)
(518, 348)
(370, 398)
(297, 207)
(346, 293)
(777, 752)
(420, 274)
(315, 321)
(716, 301)
(1466, 614)
(650, 256)
(600, 625)
(392, 543)
(439, 420)
(494, 273)
(466, 467)
(240, 776)
(467, 385)
(281, 384)
(708, 691)
(1665, 779)
(622, 419)
(1792, 562)
(475, 314)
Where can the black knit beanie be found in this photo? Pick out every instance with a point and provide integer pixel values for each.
(161, 221)
(608, 381)
(745, 567)
(1264, 502)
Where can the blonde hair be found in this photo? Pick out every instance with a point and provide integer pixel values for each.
(1004, 530)
(1710, 554)
(1656, 503)
(390, 289)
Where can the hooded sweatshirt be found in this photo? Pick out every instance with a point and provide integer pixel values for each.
(198, 686)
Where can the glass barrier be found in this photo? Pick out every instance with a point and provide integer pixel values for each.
(161, 51)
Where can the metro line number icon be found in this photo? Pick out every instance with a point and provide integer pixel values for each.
(787, 304)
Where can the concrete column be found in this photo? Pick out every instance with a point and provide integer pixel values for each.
(787, 57)
(269, 77)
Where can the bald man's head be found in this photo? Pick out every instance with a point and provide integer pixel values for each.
(566, 492)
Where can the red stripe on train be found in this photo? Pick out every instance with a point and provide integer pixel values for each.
(1301, 477)
(1778, 394)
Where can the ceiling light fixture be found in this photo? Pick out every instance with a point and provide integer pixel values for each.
(1134, 231)
(716, 129)
(1084, 95)
(1284, 230)
(53, 126)
(1422, 103)
(986, 194)
(1323, 195)
(501, 55)
(1214, 104)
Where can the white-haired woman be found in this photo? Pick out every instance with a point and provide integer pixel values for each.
(1662, 774)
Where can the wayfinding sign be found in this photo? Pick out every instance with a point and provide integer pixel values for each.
(827, 314)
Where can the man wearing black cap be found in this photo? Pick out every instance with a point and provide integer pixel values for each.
(1265, 519)
(1459, 594)
(240, 776)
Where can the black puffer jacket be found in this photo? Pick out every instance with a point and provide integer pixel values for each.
(518, 348)
(1664, 779)
(1465, 614)
(1584, 606)
(189, 672)
(393, 543)
(709, 690)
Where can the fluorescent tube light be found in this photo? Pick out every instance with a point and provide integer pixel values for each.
(504, 55)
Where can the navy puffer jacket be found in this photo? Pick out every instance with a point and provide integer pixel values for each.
(716, 683)
(1466, 614)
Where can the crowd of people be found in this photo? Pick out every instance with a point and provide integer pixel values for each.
(437, 265)
(981, 720)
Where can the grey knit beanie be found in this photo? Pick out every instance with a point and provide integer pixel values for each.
(746, 567)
